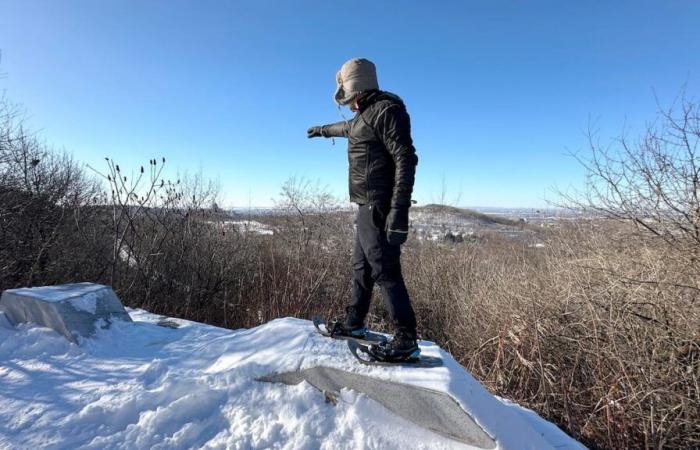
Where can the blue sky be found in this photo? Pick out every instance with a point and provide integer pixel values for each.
(499, 91)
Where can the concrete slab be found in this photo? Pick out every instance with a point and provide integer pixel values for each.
(426, 408)
(71, 309)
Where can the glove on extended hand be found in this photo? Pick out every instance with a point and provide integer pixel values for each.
(314, 132)
(397, 226)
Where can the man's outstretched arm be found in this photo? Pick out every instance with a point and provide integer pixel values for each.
(338, 129)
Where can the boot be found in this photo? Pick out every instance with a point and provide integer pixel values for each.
(353, 325)
(341, 328)
(403, 347)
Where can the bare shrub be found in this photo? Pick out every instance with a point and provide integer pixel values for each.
(169, 251)
(304, 266)
(598, 331)
(43, 195)
(614, 363)
(652, 183)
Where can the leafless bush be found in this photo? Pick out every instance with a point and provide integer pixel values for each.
(652, 183)
(641, 279)
(615, 363)
(309, 214)
(598, 331)
(302, 268)
(169, 252)
(42, 194)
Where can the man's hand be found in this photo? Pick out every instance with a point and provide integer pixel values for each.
(314, 132)
(397, 225)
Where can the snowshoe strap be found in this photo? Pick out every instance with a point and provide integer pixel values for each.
(333, 326)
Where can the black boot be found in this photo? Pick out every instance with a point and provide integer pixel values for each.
(341, 328)
(403, 347)
(353, 325)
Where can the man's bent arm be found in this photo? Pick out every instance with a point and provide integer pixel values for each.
(394, 129)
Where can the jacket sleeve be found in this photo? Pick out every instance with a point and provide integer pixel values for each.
(393, 127)
(338, 129)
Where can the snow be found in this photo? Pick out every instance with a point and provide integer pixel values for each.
(138, 386)
(87, 303)
(537, 245)
(4, 323)
(59, 293)
(250, 226)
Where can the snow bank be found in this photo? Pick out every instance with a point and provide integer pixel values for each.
(138, 385)
(70, 309)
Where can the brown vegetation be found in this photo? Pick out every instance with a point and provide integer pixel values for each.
(591, 332)
(597, 331)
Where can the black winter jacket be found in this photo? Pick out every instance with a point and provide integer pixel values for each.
(380, 151)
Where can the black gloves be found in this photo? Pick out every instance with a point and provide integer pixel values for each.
(397, 225)
(314, 132)
(339, 129)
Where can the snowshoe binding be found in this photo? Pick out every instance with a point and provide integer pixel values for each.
(337, 329)
(401, 348)
(392, 353)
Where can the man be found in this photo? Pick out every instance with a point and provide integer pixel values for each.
(382, 169)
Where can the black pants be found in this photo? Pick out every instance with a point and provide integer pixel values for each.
(375, 261)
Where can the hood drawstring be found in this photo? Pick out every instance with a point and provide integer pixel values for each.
(340, 111)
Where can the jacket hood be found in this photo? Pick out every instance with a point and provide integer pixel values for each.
(355, 76)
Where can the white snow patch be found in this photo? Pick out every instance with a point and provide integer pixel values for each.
(126, 256)
(537, 245)
(60, 292)
(139, 386)
(250, 226)
(87, 303)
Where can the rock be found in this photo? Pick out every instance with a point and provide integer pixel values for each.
(433, 410)
(72, 310)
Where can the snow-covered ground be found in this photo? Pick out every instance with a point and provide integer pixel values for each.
(249, 226)
(139, 386)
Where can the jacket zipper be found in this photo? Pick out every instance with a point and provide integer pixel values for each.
(367, 174)
(366, 163)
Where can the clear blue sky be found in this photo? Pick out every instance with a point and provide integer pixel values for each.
(498, 91)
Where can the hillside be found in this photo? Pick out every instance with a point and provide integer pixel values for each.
(466, 214)
(451, 224)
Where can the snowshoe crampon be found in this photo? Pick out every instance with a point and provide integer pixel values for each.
(326, 329)
(364, 355)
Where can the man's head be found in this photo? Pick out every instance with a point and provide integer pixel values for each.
(354, 77)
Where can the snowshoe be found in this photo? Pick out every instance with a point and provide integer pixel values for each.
(365, 354)
(401, 348)
(336, 329)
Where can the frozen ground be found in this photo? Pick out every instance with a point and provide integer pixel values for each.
(140, 386)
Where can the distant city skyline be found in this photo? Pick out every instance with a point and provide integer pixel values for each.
(499, 92)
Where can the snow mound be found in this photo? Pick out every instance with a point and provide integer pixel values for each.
(71, 309)
(138, 385)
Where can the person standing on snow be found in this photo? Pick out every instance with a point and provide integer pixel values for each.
(382, 163)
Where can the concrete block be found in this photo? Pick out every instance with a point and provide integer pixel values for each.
(426, 408)
(71, 309)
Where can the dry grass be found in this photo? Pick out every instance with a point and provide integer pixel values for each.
(596, 332)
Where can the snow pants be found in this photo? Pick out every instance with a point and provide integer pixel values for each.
(375, 261)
